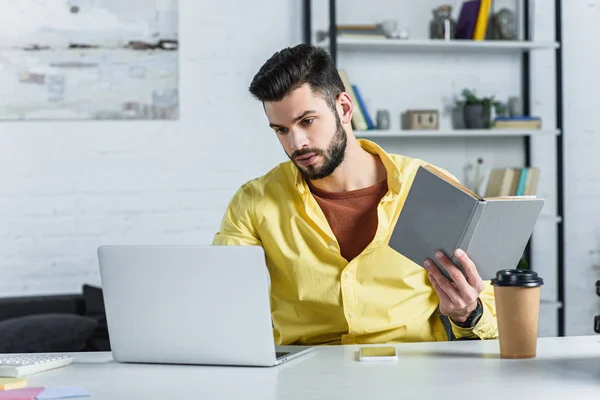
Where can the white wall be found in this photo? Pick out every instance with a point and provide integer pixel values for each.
(67, 187)
(582, 183)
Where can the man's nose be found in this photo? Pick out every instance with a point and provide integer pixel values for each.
(298, 139)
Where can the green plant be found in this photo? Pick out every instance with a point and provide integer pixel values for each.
(523, 264)
(469, 97)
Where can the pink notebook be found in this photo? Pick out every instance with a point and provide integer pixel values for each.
(21, 394)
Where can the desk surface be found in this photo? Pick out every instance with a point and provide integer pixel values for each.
(565, 368)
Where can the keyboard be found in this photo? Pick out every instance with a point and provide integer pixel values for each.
(18, 366)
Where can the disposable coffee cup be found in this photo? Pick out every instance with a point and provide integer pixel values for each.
(517, 296)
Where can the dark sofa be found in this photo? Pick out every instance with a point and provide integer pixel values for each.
(54, 323)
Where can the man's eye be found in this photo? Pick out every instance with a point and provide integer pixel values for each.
(281, 131)
(308, 121)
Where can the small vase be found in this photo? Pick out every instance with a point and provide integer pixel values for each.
(382, 119)
(476, 116)
(442, 26)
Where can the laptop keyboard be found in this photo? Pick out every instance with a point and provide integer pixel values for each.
(279, 354)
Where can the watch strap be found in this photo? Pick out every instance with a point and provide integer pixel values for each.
(473, 318)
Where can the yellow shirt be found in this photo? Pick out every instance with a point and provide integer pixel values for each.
(317, 297)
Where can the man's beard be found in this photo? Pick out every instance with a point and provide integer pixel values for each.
(332, 157)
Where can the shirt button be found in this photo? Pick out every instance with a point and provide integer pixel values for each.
(332, 243)
(350, 315)
(347, 274)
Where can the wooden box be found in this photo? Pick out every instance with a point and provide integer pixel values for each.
(422, 119)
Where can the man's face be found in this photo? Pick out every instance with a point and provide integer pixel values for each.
(310, 132)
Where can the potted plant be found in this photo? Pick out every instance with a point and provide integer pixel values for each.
(523, 264)
(477, 110)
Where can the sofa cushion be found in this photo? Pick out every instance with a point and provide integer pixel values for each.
(13, 307)
(43, 333)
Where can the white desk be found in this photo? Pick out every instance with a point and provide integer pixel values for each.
(566, 368)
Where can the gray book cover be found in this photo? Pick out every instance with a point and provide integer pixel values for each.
(440, 215)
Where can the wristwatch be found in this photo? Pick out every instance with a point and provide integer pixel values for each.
(473, 318)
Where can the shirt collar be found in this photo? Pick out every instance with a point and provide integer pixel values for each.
(394, 175)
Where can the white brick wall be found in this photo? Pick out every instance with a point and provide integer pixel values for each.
(67, 187)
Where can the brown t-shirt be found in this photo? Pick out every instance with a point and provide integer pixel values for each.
(352, 215)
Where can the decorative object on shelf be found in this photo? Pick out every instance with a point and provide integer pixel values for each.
(382, 119)
(474, 177)
(479, 177)
(502, 110)
(392, 31)
(504, 25)
(477, 110)
(422, 119)
(389, 28)
(442, 25)
(403, 33)
(515, 106)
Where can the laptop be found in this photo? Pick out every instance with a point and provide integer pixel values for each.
(203, 305)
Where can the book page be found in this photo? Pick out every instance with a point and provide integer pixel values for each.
(450, 180)
(510, 198)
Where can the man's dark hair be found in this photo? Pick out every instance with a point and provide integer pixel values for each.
(291, 68)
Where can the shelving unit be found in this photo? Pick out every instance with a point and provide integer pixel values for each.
(496, 46)
(524, 50)
(457, 133)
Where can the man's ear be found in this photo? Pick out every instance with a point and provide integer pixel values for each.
(345, 107)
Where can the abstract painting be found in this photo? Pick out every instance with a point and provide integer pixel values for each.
(89, 59)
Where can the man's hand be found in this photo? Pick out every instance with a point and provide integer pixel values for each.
(458, 299)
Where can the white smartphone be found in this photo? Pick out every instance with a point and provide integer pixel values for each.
(386, 353)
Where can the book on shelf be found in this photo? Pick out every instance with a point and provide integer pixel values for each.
(360, 36)
(441, 214)
(355, 31)
(512, 182)
(525, 122)
(482, 19)
(358, 119)
(473, 20)
(467, 19)
(363, 108)
(366, 28)
(371, 31)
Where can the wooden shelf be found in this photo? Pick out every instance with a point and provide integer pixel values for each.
(495, 46)
(457, 133)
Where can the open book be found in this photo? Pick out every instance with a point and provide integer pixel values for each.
(441, 214)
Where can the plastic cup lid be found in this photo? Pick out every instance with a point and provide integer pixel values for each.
(517, 278)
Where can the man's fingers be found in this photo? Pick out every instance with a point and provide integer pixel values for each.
(456, 274)
(440, 292)
(445, 285)
(470, 269)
